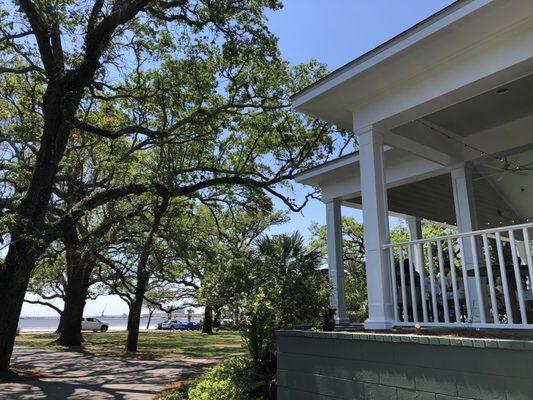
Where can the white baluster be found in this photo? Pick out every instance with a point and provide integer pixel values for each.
(488, 264)
(413, 285)
(527, 245)
(432, 284)
(451, 257)
(465, 280)
(443, 283)
(503, 274)
(481, 303)
(420, 260)
(394, 285)
(404, 290)
(518, 279)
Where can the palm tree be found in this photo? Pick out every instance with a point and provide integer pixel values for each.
(286, 289)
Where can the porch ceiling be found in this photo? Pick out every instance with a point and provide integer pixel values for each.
(496, 123)
(488, 110)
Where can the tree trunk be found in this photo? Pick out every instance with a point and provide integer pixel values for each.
(71, 330)
(207, 326)
(60, 324)
(134, 320)
(61, 100)
(150, 313)
(26, 242)
(79, 270)
(130, 316)
(134, 316)
(216, 319)
(14, 278)
(143, 276)
(76, 296)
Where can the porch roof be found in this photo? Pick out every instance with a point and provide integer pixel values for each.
(469, 48)
(456, 88)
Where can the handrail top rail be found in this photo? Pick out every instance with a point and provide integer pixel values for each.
(461, 235)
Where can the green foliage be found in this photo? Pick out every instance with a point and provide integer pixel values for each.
(188, 99)
(233, 379)
(110, 109)
(354, 256)
(269, 284)
(284, 289)
(181, 393)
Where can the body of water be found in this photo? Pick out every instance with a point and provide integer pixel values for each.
(116, 323)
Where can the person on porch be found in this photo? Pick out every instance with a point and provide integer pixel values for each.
(448, 284)
(407, 270)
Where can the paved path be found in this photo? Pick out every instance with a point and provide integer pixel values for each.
(71, 375)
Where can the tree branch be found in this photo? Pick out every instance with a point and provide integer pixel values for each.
(20, 70)
(44, 303)
(41, 32)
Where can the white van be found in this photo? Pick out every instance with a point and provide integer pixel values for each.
(94, 324)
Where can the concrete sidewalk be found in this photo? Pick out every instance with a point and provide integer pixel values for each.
(72, 375)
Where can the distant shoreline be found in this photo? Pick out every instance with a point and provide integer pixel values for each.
(116, 322)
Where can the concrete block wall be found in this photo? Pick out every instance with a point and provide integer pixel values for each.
(353, 366)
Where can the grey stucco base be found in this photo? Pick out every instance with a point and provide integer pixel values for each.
(329, 366)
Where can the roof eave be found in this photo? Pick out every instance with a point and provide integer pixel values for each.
(385, 50)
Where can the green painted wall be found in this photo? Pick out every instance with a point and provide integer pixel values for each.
(329, 366)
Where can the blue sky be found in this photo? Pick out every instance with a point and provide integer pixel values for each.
(333, 32)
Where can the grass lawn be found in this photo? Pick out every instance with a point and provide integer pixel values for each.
(152, 344)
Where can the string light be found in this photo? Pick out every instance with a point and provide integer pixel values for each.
(481, 152)
(510, 221)
(467, 146)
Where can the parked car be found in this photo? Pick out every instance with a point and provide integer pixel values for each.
(190, 326)
(94, 324)
(171, 325)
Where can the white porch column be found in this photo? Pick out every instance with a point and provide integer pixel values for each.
(466, 215)
(415, 232)
(415, 227)
(376, 230)
(336, 260)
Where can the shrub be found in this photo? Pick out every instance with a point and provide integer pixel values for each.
(233, 379)
(18, 331)
(180, 393)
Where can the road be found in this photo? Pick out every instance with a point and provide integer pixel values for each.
(73, 375)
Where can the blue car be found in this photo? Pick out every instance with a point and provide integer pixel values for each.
(189, 326)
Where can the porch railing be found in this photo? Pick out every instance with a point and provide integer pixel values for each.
(481, 279)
